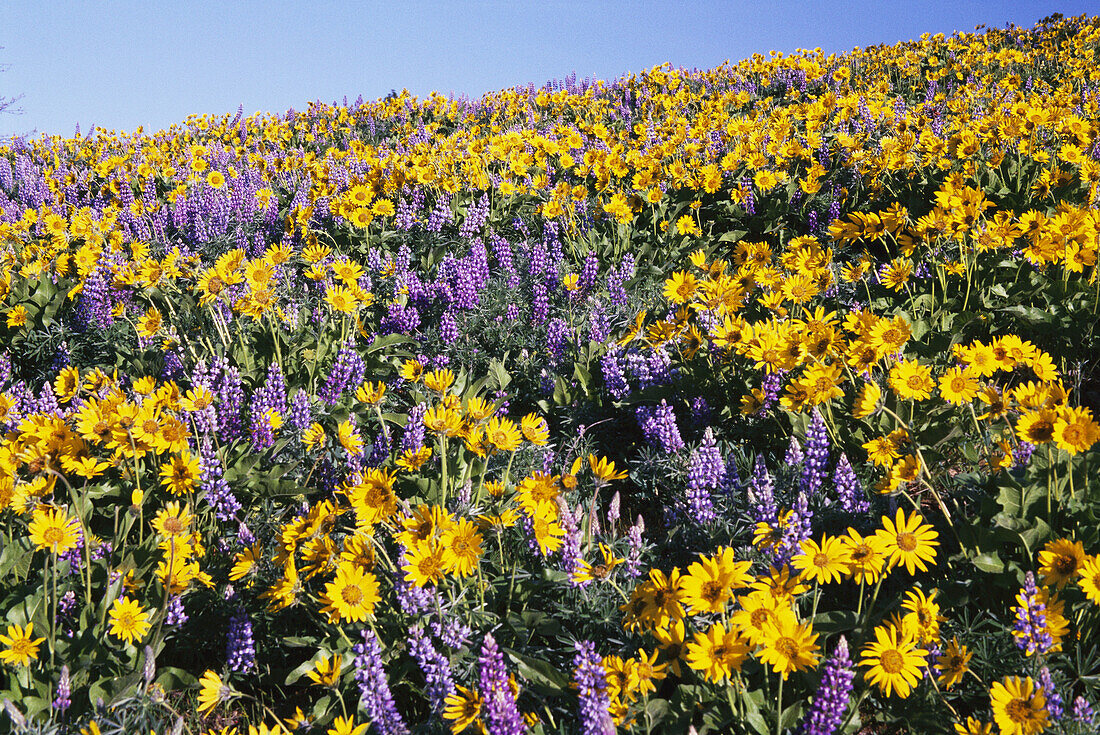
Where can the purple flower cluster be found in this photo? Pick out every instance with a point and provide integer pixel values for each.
(434, 666)
(499, 711)
(706, 472)
(613, 376)
(375, 694)
(591, 679)
(218, 493)
(830, 702)
(271, 396)
(1055, 704)
(762, 492)
(240, 647)
(300, 412)
(817, 455)
(659, 426)
(63, 699)
(347, 373)
(1031, 620)
(849, 491)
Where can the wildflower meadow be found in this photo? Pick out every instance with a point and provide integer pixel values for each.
(758, 399)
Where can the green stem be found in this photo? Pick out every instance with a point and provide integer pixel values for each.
(779, 708)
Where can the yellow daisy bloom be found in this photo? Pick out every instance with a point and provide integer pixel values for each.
(1019, 706)
(128, 621)
(908, 542)
(895, 661)
(20, 647)
(51, 529)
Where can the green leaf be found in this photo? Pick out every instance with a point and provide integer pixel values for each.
(989, 562)
(542, 674)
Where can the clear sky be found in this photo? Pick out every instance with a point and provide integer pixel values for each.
(125, 63)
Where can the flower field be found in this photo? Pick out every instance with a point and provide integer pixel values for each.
(757, 399)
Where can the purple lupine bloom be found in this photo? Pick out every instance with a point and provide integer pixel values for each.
(1031, 619)
(413, 436)
(448, 328)
(591, 679)
(1055, 705)
(413, 600)
(499, 711)
(176, 615)
(375, 695)
(659, 425)
(599, 327)
(770, 387)
(452, 632)
(434, 666)
(63, 699)
(300, 413)
(794, 454)
(706, 471)
(557, 339)
(347, 372)
(849, 491)
(228, 388)
(613, 374)
(816, 457)
(762, 492)
(217, 491)
(240, 647)
(571, 556)
(1083, 712)
(830, 702)
(271, 396)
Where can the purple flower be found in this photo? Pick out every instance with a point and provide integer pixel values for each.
(591, 678)
(762, 492)
(1082, 711)
(830, 702)
(659, 426)
(375, 694)
(817, 455)
(706, 471)
(1055, 705)
(499, 712)
(63, 699)
(849, 491)
(240, 648)
(347, 372)
(1031, 619)
(435, 667)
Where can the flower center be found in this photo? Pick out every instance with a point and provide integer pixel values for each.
(907, 541)
(352, 594)
(892, 661)
(787, 646)
(1018, 710)
(821, 561)
(53, 535)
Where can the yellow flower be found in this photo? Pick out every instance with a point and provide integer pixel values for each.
(424, 563)
(1090, 578)
(789, 646)
(1061, 561)
(681, 287)
(503, 434)
(959, 386)
(717, 653)
(1075, 431)
(21, 647)
(463, 708)
(346, 726)
(439, 380)
(953, 663)
(865, 556)
(910, 379)
(172, 520)
(604, 469)
(351, 597)
(51, 529)
(129, 622)
(535, 430)
(212, 692)
(17, 316)
(907, 542)
(461, 548)
(326, 672)
(1019, 706)
(823, 563)
(895, 661)
(150, 323)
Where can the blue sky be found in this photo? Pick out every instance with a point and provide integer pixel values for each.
(123, 64)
